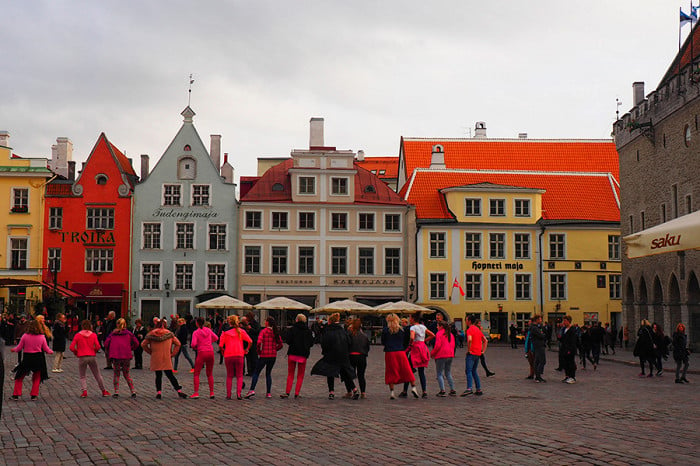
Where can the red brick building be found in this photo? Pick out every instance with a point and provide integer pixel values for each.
(87, 238)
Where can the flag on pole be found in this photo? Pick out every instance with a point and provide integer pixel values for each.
(456, 284)
(687, 18)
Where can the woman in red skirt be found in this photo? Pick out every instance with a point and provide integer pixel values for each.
(397, 368)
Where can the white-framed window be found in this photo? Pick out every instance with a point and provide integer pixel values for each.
(200, 194)
(55, 218)
(497, 245)
(307, 185)
(279, 220)
(522, 321)
(252, 256)
(306, 259)
(365, 261)
(392, 261)
(339, 221)
(472, 286)
(522, 207)
(523, 286)
(557, 286)
(339, 186)
(472, 207)
(54, 259)
(99, 260)
(184, 276)
(217, 236)
(100, 218)
(498, 286)
(614, 247)
(557, 246)
(19, 253)
(522, 245)
(150, 276)
(614, 282)
(438, 285)
(216, 277)
(278, 258)
(253, 220)
(366, 221)
(184, 236)
(20, 200)
(307, 220)
(437, 244)
(392, 223)
(339, 261)
(472, 245)
(497, 207)
(172, 195)
(151, 235)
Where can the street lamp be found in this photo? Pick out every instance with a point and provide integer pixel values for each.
(54, 270)
(411, 289)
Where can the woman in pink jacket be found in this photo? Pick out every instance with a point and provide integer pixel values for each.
(163, 345)
(33, 345)
(85, 346)
(443, 353)
(232, 343)
(119, 348)
(201, 343)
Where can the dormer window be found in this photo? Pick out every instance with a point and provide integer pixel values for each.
(370, 189)
(277, 187)
(101, 179)
(187, 148)
(187, 168)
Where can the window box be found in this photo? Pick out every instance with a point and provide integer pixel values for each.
(20, 209)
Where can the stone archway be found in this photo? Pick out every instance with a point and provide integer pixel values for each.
(629, 307)
(657, 299)
(643, 301)
(674, 304)
(693, 311)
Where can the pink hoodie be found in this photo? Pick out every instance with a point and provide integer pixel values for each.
(202, 340)
(31, 343)
(85, 343)
(443, 348)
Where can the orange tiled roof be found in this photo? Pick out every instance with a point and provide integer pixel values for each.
(515, 154)
(122, 160)
(568, 196)
(390, 166)
(59, 189)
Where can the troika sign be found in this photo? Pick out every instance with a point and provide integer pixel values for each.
(96, 237)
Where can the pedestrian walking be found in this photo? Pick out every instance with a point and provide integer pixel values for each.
(182, 333)
(268, 344)
(163, 345)
(644, 348)
(252, 327)
(538, 347)
(443, 354)
(359, 349)
(233, 350)
(300, 339)
(569, 342)
(420, 356)
(335, 347)
(476, 345)
(680, 353)
(482, 358)
(33, 344)
(58, 345)
(513, 334)
(110, 324)
(140, 334)
(596, 335)
(396, 366)
(529, 350)
(120, 345)
(85, 346)
(203, 344)
(661, 343)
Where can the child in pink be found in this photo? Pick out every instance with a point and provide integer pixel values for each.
(33, 344)
(85, 346)
(202, 342)
(232, 343)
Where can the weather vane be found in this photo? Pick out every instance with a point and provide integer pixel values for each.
(189, 91)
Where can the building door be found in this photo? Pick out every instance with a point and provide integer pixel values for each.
(499, 324)
(150, 308)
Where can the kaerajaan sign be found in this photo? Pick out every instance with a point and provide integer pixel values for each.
(363, 282)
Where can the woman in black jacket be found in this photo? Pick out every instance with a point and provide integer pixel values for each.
(300, 340)
(60, 335)
(644, 348)
(359, 349)
(661, 343)
(335, 346)
(680, 352)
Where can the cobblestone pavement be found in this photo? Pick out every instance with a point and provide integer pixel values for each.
(609, 417)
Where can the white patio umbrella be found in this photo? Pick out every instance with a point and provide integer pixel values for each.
(401, 307)
(224, 302)
(679, 234)
(346, 305)
(282, 303)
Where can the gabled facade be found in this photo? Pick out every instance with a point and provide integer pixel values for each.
(318, 228)
(516, 241)
(87, 240)
(22, 185)
(184, 229)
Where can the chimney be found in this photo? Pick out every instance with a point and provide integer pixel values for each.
(637, 93)
(227, 170)
(71, 170)
(360, 156)
(61, 154)
(480, 130)
(215, 151)
(437, 160)
(522, 135)
(4, 139)
(316, 133)
(144, 166)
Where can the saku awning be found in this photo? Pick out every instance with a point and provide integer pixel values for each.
(679, 234)
(99, 291)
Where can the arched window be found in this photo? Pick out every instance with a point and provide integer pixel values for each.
(277, 187)
(187, 148)
(101, 179)
(370, 189)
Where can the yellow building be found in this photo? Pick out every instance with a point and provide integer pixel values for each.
(508, 244)
(22, 185)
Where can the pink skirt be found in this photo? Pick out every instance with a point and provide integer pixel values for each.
(397, 369)
(420, 356)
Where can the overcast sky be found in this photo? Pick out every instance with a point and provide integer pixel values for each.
(375, 70)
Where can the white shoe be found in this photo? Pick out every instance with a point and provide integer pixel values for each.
(570, 380)
(54, 370)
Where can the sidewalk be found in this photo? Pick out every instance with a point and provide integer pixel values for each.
(624, 356)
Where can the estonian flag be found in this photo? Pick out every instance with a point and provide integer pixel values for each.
(685, 18)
